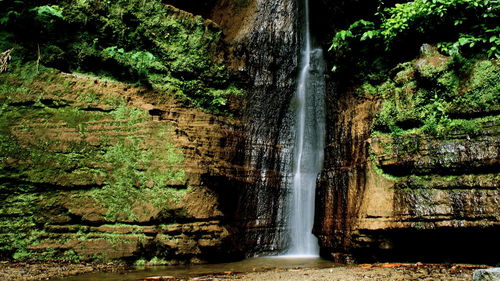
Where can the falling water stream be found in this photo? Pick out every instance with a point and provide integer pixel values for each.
(309, 145)
(308, 109)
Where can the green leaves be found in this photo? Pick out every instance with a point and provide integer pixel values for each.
(135, 41)
(142, 61)
(169, 50)
(472, 22)
(343, 36)
(48, 11)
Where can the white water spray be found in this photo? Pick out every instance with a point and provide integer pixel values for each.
(309, 145)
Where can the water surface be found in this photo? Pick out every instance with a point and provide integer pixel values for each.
(187, 271)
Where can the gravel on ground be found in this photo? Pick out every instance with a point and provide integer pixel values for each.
(43, 270)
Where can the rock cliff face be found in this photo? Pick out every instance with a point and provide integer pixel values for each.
(100, 169)
(420, 192)
(264, 38)
(107, 170)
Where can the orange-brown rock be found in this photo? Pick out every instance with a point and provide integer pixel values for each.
(93, 195)
(413, 197)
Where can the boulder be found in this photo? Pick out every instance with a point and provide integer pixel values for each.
(491, 274)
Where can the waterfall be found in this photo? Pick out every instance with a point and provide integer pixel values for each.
(309, 144)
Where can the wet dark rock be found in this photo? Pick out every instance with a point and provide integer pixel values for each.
(423, 155)
(269, 46)
(341, 187)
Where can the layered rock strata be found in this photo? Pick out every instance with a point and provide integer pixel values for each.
(423, 192)
(99, 169)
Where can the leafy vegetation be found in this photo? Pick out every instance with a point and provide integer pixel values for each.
(135, 173)
(136, 41)
(438, 100)
(435, 94)
(112, 165)
(154, 261)
(18, 221)
(393, 34)
(434, 67)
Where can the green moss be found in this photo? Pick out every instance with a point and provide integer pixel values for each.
(44, 163)
(381, 173)
(470, 127)
(72, 116)
(112, 100)
(136, 173)
(69, 255)
(481, 90)
(367, 89)
(148, 43)
(140, 262)
(88, 97)
(20, 224)
(449, 82)
(405, 74)
(127, 164)
(431, 72)
(453, 182)
(434, 101)
(158, 261)
(132, 115)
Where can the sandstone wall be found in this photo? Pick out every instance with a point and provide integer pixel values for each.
(100, 169)
(413, 195)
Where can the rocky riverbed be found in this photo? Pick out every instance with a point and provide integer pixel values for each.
(37, 270)
(387, 271)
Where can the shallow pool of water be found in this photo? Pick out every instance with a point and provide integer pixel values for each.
(186, 271)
